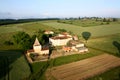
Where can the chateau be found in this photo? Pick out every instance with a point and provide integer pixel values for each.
(67, 41)
(60, 39)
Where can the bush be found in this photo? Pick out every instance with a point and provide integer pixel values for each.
(23, 40)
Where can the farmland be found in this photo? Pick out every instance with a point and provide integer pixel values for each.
(85, 22)
(96, 31)
(104, 39)
(85, 68)
(110, 44)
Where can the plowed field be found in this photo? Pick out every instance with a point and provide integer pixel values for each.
(85, 68)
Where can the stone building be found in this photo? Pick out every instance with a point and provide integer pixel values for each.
(37, 48)
(60, 39)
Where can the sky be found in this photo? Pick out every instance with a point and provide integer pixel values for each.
(59, 8)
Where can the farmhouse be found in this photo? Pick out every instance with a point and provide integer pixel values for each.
(60, 39)
(37, 48)
(75, 45)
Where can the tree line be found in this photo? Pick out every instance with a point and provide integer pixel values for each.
(15, 21)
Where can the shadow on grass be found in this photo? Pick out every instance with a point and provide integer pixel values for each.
(7, 57)
(39, 74)
(50, 51)
(86, 35)
(117, 45)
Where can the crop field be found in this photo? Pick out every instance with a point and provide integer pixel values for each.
(85, 68)
(96, 31)
(13, 66)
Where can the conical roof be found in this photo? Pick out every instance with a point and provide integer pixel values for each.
(36, 43)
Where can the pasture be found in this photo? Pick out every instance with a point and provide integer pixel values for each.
(85, 68)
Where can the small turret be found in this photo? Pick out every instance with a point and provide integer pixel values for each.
(36, 46)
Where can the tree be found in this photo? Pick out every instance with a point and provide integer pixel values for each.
(39, 34)
(117, 45)
(45, 37)
(104, 20)
(23, 40)
(86, 35)
(79, 18)
(114, 19)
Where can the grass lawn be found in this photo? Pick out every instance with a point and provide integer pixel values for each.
(13, 66)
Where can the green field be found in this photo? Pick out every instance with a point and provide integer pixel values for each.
(13, 66)
(109, 44)
(113, 74)
(85, 22)
(96, 31)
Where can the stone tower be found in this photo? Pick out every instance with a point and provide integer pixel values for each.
(36, 46)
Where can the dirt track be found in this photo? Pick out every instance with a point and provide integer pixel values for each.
(85, 68)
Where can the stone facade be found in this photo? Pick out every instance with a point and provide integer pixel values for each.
(60, 40)
(75, 46)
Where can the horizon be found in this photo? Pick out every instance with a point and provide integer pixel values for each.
(25, 9)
